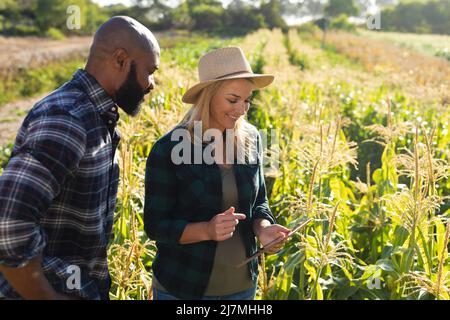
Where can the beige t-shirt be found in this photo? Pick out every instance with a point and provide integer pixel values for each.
(225, 278)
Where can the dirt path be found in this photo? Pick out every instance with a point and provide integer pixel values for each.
(11, 117)
(31, 52)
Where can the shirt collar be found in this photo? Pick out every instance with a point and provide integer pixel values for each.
(104, 104)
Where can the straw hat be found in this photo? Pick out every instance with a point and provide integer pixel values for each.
(224, 64)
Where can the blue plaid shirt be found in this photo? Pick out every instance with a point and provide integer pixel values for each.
(58, 191)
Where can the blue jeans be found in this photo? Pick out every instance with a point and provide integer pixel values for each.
(243, 295)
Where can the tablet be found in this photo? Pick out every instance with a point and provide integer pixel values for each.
(275, 242)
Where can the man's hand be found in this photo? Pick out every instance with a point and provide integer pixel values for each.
(30, 282)
(222, 226)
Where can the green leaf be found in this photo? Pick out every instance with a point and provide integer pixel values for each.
(400, 236)
(385, 265)
(378, 176)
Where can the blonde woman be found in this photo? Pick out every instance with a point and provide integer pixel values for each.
(206, 216)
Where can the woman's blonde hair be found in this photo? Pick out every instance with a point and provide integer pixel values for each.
(244, 132)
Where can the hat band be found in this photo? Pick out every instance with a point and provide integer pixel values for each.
(232, 74)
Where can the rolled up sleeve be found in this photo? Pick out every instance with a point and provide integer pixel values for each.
(160, 221)
(50, 154)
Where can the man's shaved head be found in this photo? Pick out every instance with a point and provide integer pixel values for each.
(123, 57)
(123, 32)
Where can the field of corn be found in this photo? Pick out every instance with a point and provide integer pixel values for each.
(363, 149)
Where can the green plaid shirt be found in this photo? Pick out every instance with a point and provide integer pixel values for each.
(176, 195)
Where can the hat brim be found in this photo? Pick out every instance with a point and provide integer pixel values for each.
(259, 81)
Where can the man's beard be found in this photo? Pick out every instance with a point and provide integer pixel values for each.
(130, 94)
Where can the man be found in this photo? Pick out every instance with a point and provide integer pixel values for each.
(58, 191)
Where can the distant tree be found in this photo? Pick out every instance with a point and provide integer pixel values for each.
(416, 17)
(180, 17)
(116, 10)
(336, 9)
(323, 23)
(192, 4)
(315, 7)
(207, 17)
(153, 13)
(437, 15)
(53, 14)
(339, 7)
(341, 23)
(9, 11)
(271, 10)
(405, 18)
(16, 13)
(94, 16)
(240, 17)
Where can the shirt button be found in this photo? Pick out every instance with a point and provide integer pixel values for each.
(110, 121)
(113, 109)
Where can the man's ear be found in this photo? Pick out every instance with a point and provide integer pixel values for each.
(120, 59)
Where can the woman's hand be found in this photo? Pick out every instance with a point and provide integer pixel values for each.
(267, 233)
(222, 226)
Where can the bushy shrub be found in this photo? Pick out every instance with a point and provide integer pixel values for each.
(341, 23)
(54, 34)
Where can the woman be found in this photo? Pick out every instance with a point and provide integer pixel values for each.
(204, 216)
